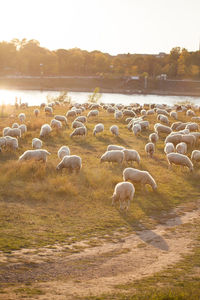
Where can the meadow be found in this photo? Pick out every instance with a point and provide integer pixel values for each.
(40, 206)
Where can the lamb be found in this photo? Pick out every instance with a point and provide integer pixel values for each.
(114, 129)
(81, 119)
(181, 148)
(169, 148)
(131, 155)
(136, 129)
(138, 176)
(37, 154)
(79, 131)
(14, 132)
(22, 117)
(71, 162)
(63, 151)
(195, 156)
(112, 156)
(98, 128)
(179, 159)
(36, 112)
(23, 128)
(153, 137)
(93, 113)
(61, 118)
(114, 147)
(45, 130)
(160, 128)
(11, 142)
(123, 192)
(71, 113)
(48, 110)
(77, 124)
(36, 143)
(150, 149)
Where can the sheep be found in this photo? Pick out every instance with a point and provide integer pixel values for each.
(181, 126)
(162, 112)
(22, 117)
(195, 156)
(36, 143)
(181, 148)
(63, 151)
(143, 124)
(45, 130)
(114, 147)
(160, 128)
(195, 119)
(56, 124)
(114, 129)
(93, 113)
(81, 119)
(112, 156)
(14, 132)
(61, 119)
(11, 142)
(77, 124)
(190, 112)
(2, 141)
(15, 125)
(37, 154)
(163, 119)
(150, 112)
(48, 110)
(71, 162)
(150, 149)
(98, 128)
(131, 155)
(127, 120)
(179, 159)
(175, 125)
(192, 126)
(169, 148)
(136, 129)
(110, 110)
(175, 138)
(174, 115)
(23, 128)
(123, 192)
(71, 113)
(143, 112)
(79, 131)
(138, 176)
(42, 105)
(118, 114)
(153, 137)
(196, 135)
(189, 139)
(129, 113)
(36, 112)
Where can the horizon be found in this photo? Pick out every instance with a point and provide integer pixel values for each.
(136, 27)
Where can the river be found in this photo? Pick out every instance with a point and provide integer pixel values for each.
(36, 97)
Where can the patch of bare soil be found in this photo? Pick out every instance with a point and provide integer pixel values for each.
(61, 273)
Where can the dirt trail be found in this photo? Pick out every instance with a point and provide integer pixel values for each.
(96, 270)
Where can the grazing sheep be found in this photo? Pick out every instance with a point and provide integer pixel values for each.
(37, 154)
(93, 113)
(131, 155)
(11, 142)
(48, 110)
(56, 124)
(190, 113)
(23, 128)
(162, 112)
(110, 110)
(179, 159)
(112, 156)
(123, 192)
(196, 135)
(181, 148)
(98, 128)
(136, 129)
(150, 112)
(174, 139)
(118, 114)
(169, 148)
(150, 149)
(160, 128)
(71, 162)
(71, 113)
(79, 131)
(114, 147)
(153, 137)
(45, 130)
(189, 139)
(77, 124)
(114, 129)
(143, 124)
(2, 141)
(181, 126)
(129, 113)
(175, 125)
(195, 119)
(22, 117)
(138, 176)
(14, 132)
(195, 156)
(36, 112)
(63, 151)
(36, 143)
(15, 125)
(192, 126)
(163, 119)
(81, 119)
(174, 115)
(61, 119)
(143, 112)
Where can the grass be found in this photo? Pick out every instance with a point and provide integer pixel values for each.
(39, 206)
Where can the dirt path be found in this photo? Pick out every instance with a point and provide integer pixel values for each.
(96, 270)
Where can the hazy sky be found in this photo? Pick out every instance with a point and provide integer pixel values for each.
(113, 26)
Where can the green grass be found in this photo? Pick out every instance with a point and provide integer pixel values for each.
(39, 206)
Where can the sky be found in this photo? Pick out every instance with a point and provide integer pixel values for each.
(111, 26)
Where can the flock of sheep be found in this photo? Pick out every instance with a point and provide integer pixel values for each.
(179, 136)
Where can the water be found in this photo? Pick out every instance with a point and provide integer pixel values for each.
(36, 97)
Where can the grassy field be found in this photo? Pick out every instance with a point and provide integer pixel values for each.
(39, 206)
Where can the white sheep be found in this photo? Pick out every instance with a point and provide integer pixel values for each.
(129, 113)
(150, 149)
(114, 147)
(63, 151)
(45, 130)
(71, 162)
(114, 129)
(160, 128)
(174, 115)
(71, 113)
(15, 125)
(192, 126)
(175, 125)
(195, 156)
(23, 128)
(112, 156)
(11, 142)
(14, 132)
(2, 141)
(136, 129)
(56, 124)
(131, 155)
(118, 114)
(61, 118)
(163, 119)
(79, 131)
(48, 110)
(37, 154)
(22, 117)
(169, 148)
(189, 139)
(77, 124)
(179, 159)
(36, 112)
(93, 113)
(190, 112)
(153, 137)
(181, 148)
(81, 119)
(143, 112)
(138, 176)
(174, 139)
(98, 128)
(36, 143)
(123, 192)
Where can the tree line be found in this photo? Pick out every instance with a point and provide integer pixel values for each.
(27, 57)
